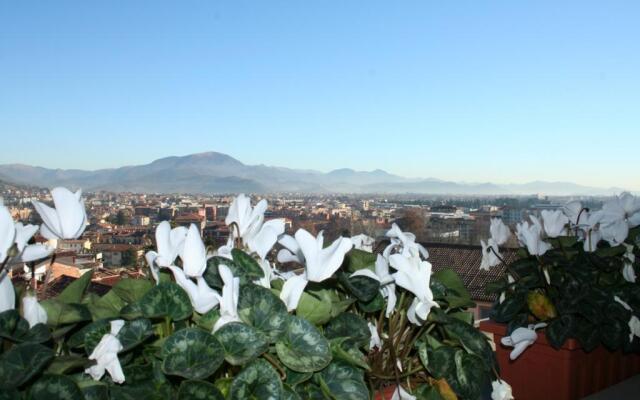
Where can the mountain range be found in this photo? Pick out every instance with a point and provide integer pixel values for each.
(213, 172)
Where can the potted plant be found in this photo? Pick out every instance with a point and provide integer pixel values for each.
(566, 320)
(229, 324)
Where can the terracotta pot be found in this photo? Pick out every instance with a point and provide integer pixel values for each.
(385, 394)
(542, 372)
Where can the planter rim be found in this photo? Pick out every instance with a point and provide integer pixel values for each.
(500, 329)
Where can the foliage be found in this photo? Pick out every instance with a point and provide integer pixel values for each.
(573, 291)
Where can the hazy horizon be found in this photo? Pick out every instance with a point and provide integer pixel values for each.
(465, 92)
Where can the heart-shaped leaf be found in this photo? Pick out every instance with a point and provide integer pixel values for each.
(21, 362)
(57, 387)
(342, 381)
(132, 290)
(135, 332)
(241, 343)
(191, 353)
(263, 310)
(302, 347)
(198, 390)
(258, 381)
(350, 326)
(166, 300)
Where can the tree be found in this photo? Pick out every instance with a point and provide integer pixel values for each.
(129, 257)
(122, 218)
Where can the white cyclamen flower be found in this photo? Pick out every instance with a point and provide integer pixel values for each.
(106, 355)
(203, 298)
(404, 243)
(257, 235)
(575, 212)
(500, 233)
(169, 243)
(501, 390)
(634, 322)
(529, 236)
(32, 311)
(67, 220)
(521, 338)
(555, 223)
(387, 284)
(618, 215)
(363, 242)
(490, 254)
(7, 293)
(628, 272)
(374, 342)
(592, 233)
(225, 250)
(414, 275)
(400, 394)
(193, 253)
(7, 232)
(268, 274)
(319, 263)
(229, 299)
(29, 252)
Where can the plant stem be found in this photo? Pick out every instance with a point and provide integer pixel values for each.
(272, 361)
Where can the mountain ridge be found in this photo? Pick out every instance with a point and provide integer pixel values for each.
(214, 172)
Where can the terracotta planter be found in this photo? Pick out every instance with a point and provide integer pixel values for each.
(385, 394)
(542, 372)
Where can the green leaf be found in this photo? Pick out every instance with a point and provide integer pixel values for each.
(92, 390)
(247, 264)
(77, 339)
(58, 387)
(257, 380)
(131, 311)
(509, 308)
(302, 347)
(107, 306)
(211, 274)
(341, 381)
(63, 364)
(372, 306)
(132, 290)
(191, 353)
(16, 329)
(348, 353)
(241, 342)
(423, 353)
(166, 300)
(426, 392)
(359, 259)
(362, 287)
(314, 308)
(75, 290)
(350, 326)
(559, 330)
(207, 320)
(134, 333)
(93, 334)
(260, 308)
(471, 339)
(198, 390)
(289, 394)
(59, 313)
(442, 361)
(452, 282)
(21, 362)
(470, 376)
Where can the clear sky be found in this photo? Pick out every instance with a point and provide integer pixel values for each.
(501, 91)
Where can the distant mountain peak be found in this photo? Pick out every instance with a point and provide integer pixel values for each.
(214, 172)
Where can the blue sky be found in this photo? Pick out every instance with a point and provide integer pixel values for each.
(479, 91)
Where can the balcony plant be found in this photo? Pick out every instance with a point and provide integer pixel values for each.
(230, 324)
(576, 282)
